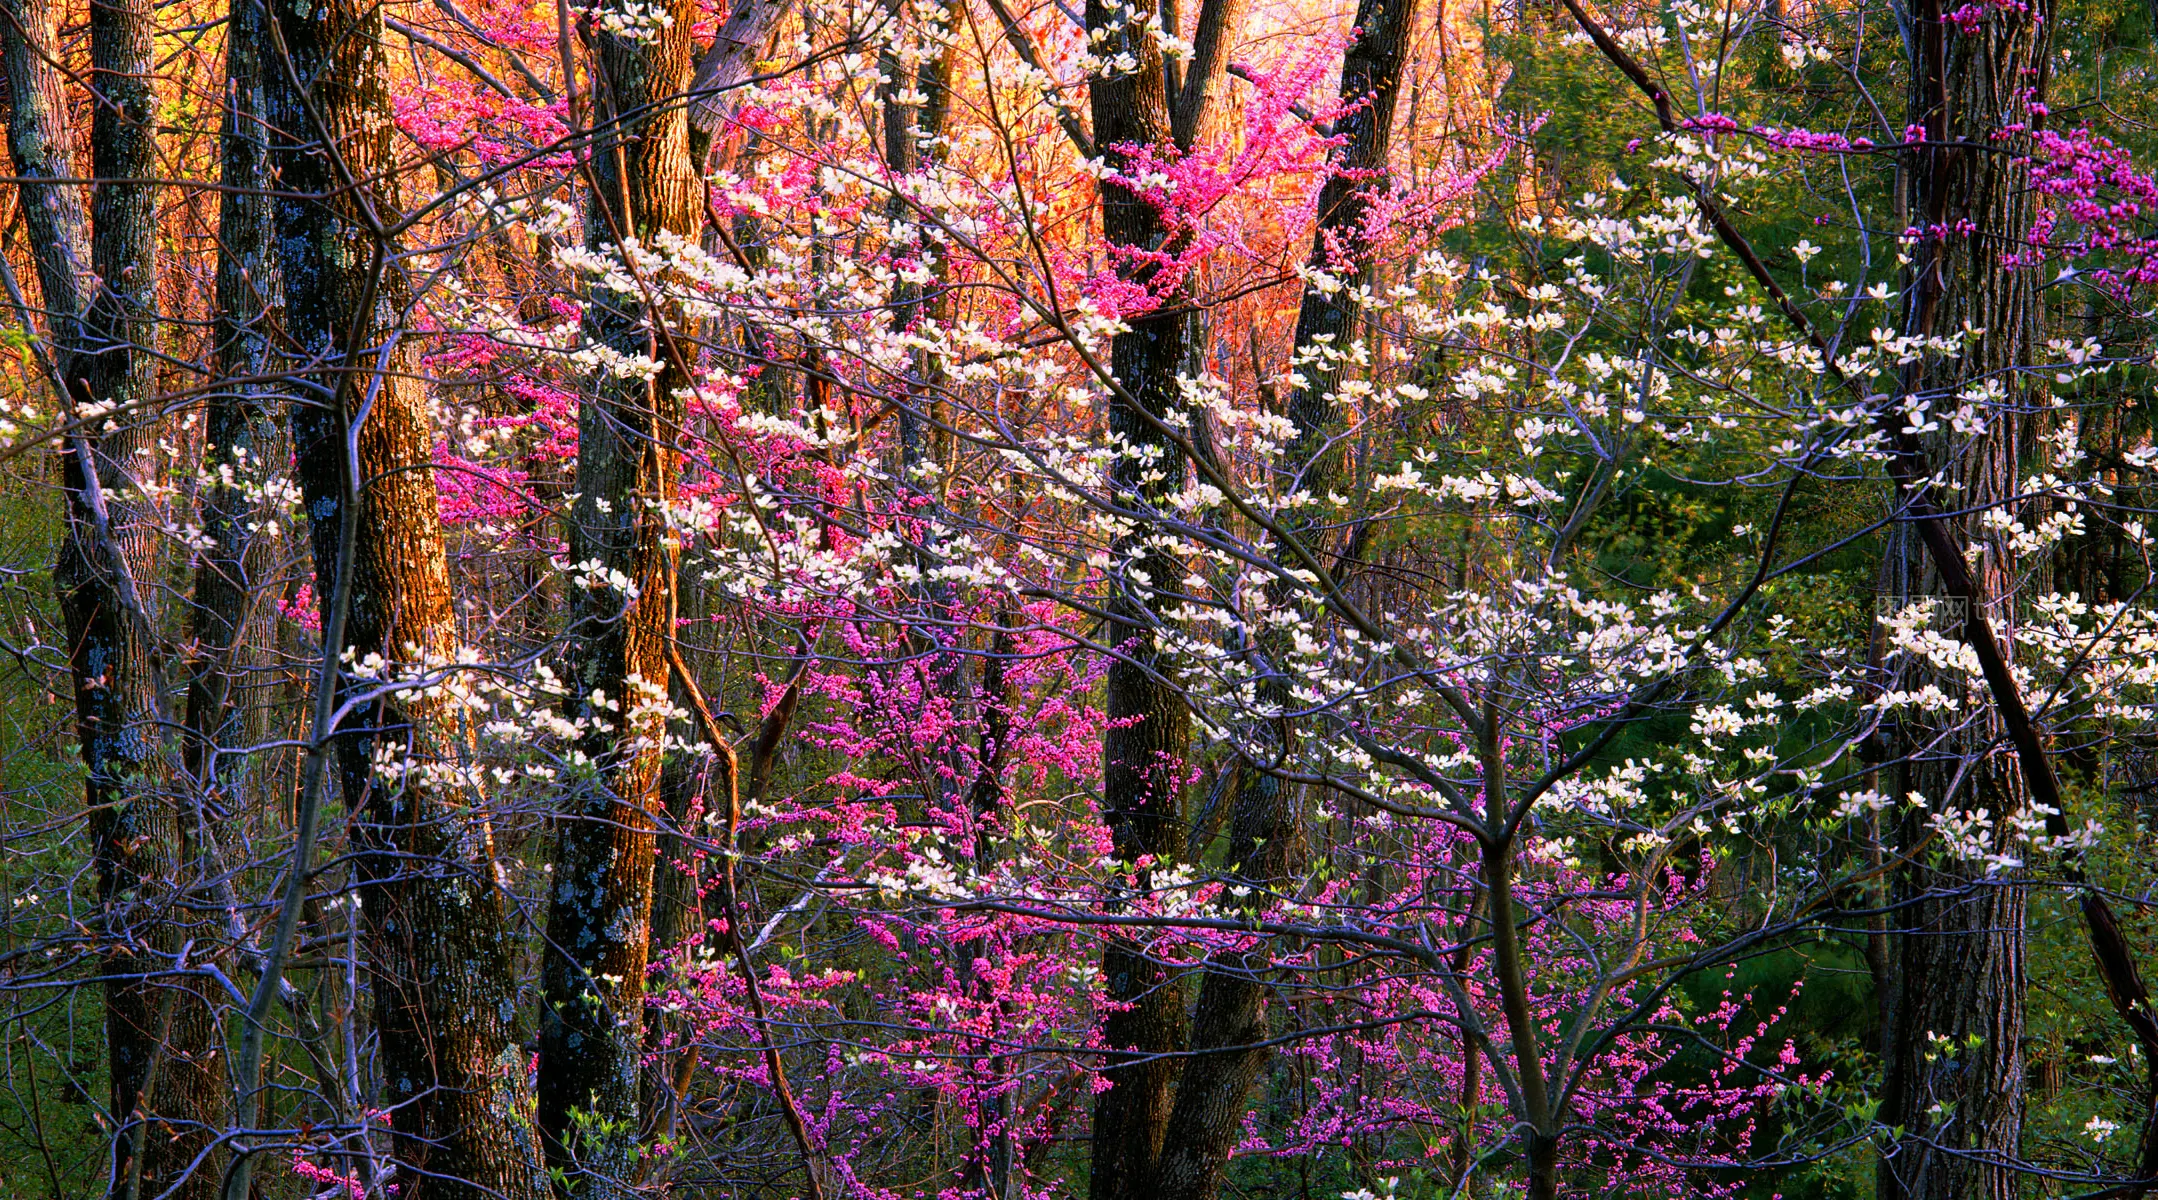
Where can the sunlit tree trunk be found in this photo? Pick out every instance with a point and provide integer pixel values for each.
(727, 63)
(1954, 1077)
(438, 944)
(677, 921)
(629, 430)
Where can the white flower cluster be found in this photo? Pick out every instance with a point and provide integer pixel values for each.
(633, 20)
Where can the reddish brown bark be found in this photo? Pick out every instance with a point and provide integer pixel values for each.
(438, 943)
(600, 906)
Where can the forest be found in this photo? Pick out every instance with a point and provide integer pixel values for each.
(1108, 599)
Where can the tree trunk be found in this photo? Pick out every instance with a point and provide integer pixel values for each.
(165, 1078)
(728, 63)
(1197, 102)
(1229, 1020)
(1148, 732)
(1953, 1053)
(600, 909)
(236, 431)
(234, 428)
(439, 947)
(41, 141)
(677, 922)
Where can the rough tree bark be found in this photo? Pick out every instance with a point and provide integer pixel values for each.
(1149, 725)
(438, 942)
(1196, 92)
(1952, 1046)
(236, 429)
(677, 922)
(2111, 952)
(41, 142)
(728, 62)
(109, 547)
(1229, 1020)
(165, 1076)
(236, 423)
(234, 426)
(600, 908)
(1149, 729)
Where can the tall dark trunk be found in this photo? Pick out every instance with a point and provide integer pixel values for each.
(1953, 1051)
(1148, 732)
(1229, 1020)
(42, 145)
(628, 430)
(909, 123)
(438, 942)
(236, 432)
(233, 430)
(165, 1081)
(1954, 1056)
